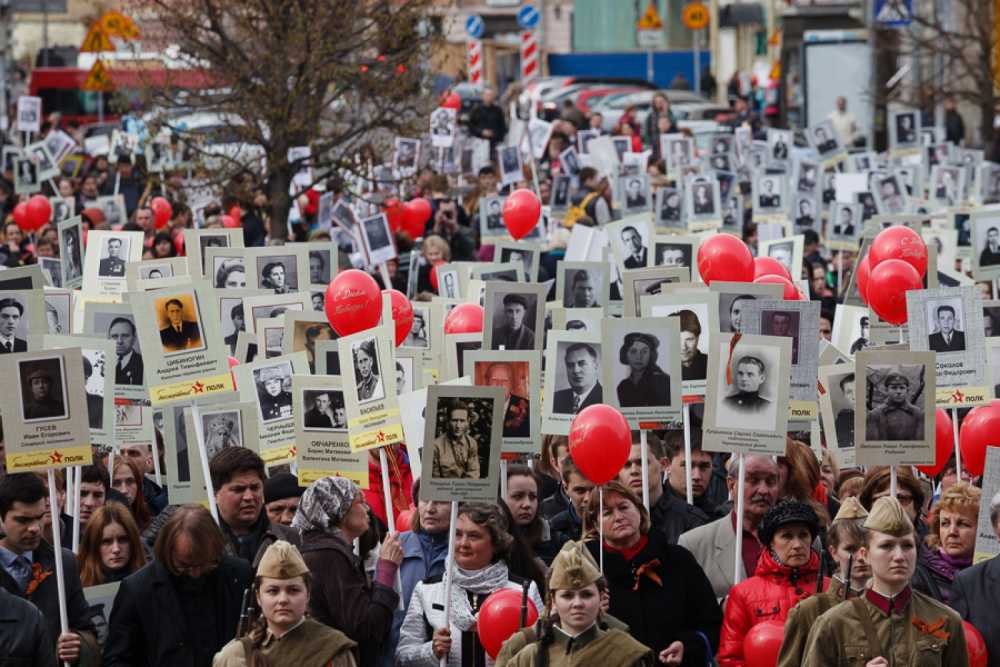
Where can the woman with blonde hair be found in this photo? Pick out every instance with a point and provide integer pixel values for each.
(110, 548)
(949, 546)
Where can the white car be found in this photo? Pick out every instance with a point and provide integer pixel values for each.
(219, 138)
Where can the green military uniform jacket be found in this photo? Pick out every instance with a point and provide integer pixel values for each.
(920, 632)
(309, 644)
(591, 647)
(801, 619)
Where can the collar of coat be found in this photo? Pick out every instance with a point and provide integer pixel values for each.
(885, 604)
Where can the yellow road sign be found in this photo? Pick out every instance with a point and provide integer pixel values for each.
(695, 16)
(96, 40)
(118, 25)
(98, 79)
(650, 19)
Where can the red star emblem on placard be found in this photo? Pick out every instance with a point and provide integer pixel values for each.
(958, 396)
(381, 436)
(291, 452)
(56, 457)
(198, 387)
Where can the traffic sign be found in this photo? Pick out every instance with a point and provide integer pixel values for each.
(474, 26)
(96, 40)
(98, 79)
(650, 19)
(528, 17)
(695, 16)
(118, 25)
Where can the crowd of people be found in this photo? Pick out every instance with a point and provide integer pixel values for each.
(857, 572)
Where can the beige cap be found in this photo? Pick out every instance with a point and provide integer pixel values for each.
(887, 516)
(851, 508)
(573, 568)
(282, 561)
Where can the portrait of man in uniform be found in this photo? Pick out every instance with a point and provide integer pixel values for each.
(749, 376)
(456, 452)
(582, 290)
(42, 389)
(418, 332)
(112, 264)
(273, 399)
(366, 371)
(895, 417)
(323, 415)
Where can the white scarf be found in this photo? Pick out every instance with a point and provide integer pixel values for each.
(484, 581)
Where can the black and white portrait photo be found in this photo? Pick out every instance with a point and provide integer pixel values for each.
(896, 411)
(583, 288)
(783, 251)
(559, 200)
(114, 253)
(71, 254)
(986, 245)
(278, 273)
(673, 254)
(491, 216)
(677, 150)
(114, 210)
(702, 197)
(324, 410)
(461, 445)
(42, 385)
(784, 323)
(779, 143)
(510, 164)
(222, 429)
(906, 129)
(731, 308)
(749, 400)
(635, 191)
(443, 125)
(418, 336)
(578, 374)
(13, 325)
(367, 370)
(320, 267)
(62, 208)
(945, 185)
(405, 158)
(229, 272)
(233, 321)
(26, 175)
(274, 396)
(514, 318)
(890, 196)
(846, 221)
(378, 239)
(632, 245)
(824, 138)
(643, 378)
(769, 193)
(524, 256)
(945, 321)
(52, 268)
(805, 212)
(128, 357)
(569, 161)
(668, 208)
(154, 271)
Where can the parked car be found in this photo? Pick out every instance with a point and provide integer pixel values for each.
(642, 102)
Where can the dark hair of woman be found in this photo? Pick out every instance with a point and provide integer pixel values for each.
(521, 558)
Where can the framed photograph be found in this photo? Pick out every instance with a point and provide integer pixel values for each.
(630, 242)
(702, 199)
(219, 427)
(788, 251)
(279, 269)
(837, 403)
(572, 377)
(491, 223)
(46, 163)
(527, 253)
(406, 157)
(377, 238)
(267, 384)
(409, 372)
(198, 241)
(669, 208)
(58, 311)
(641, 360)
(640, 283)
(104, 264)
(583, 284)
(844, 228)
(985, 242)
(322, 447)
(322, 262)
(181, 461)
(904, 129)
(635, 194)
(825, 139)
(26, 179)
(452, 279)
(676, 251)
(805, 212)
(779, 146)
(63, 208)
(273, 305)
(559, 199)
(894, 417)
(946, 186)
(733, 301)
(698, 315)
(890, 195)
(676, 150)
(462, 438)
(21, 313)
(769, 195)
(50, 426)
(443, 127)
(746, 407)
(515, 316)
(569, 161)
(455, 348)
(510, 164)
(116, 322)
(949, 322)
(517, 374)
(304, 330)
(372, 413)
(583, 139)
(270, 335)
(510, 272)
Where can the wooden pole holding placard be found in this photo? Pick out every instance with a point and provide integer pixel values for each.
(503, 478)
(449, 571)
(958, 451)
(76, 473)
(893, 483)
(203, 455)
(687, 454)
(156, 460)
(740, 487)
(57, 546)
(645, 471)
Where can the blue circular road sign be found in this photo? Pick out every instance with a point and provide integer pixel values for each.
(528, 17)
(474, 26)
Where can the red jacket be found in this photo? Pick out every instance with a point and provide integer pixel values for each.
(768, 595)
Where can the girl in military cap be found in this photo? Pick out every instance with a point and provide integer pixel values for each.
(282, 635)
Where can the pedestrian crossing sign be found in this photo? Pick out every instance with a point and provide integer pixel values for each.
(98, 79)
(650, 19)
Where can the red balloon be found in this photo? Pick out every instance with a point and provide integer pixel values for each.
(864, 274)
(179, 243)
(39, 213)
(451, 101)
(975, 645)
(162, 212)
(404, 521)
(763, 266)
(236, 213)
(726, 258)
(434, 273)
(21, 215)
(521, 212)
(887, 288)
(599, 442)
(980, 429)
(229, 222)
(402, 314)
(416, 213)
(899, 243)
(500, 618)
(791, 292)
(763, 643)
(464, 318)
(353, 302)
(395, 213)
(944, 445)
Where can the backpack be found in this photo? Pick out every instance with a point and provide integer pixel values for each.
(578, 211)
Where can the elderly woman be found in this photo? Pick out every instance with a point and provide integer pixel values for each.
(657, 589)
(570, 631)
(282, 635)
(949, 546)
(975, 591)
(331, 515)
(786, 574)
(647, 383)
(482, 542)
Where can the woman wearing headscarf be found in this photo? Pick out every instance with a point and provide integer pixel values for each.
(570, 632)
(482, 542)
(647, 383)
(331, 515)
(786, 574)
(282, 635)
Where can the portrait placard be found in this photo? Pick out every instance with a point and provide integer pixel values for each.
(455, 347)
(515, 316)
(491, 224)
(133, 425)
(138, 275)
(769, 198)
(746, 407)
(409, 372)
(676, 250)
(58, 311)
(45, 416)
(116, 322)
(702, 202)
(851, 329)
(270, 336)
(322, 262)
(100, 599)
(985, 240)
(184, 351)
(987, 545)
(640, 283)
(630, 242)
(198, 241)
(22, 313)
(279, 269)
(304, 330)
(894, 417)
(267, 383)
(733, 298)
(411, 408)
(949, 322)
(669, 210)
(583, 284)
(641, 360)
(845, 226)
(836, 408)
(527, 253)
(788, 251)
(71, 251)
(226, 268)
(698, 313)
(517, 373)
(511, 272)
(107, 255)
(372, 411)
(452, 279)
(377, 238)
(463, 436)
(798, 321)
(322, 445)
(572, 377)
(904, 131)
(222, 426)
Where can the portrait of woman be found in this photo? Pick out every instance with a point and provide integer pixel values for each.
(366, 369)
(647, 383)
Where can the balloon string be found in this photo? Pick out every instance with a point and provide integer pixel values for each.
(729, 362)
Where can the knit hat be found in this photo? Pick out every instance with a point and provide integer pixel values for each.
(280, 486)
(784, 513)
(325, 504)
(282, 561)
(887, 516)
(851, 508)
(573, 568)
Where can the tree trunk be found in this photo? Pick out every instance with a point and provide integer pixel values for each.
(278, 184)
